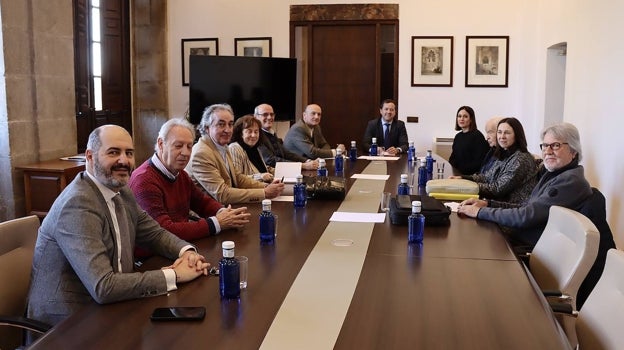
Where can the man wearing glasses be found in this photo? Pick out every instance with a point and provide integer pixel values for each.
(272, 147)
(561, 181)
(211, 166)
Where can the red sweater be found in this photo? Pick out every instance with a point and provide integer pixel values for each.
(169, 202)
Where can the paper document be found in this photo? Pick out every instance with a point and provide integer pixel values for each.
(452, 205)
(378, 158)
(284, 199)
(287, 170)
(370, 176)
(342, 216)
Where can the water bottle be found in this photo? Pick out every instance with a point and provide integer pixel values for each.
(403, 186)
(353, 152)
(411, 152)
(322, 169)
(267, 223)
(229, 272)
(338, 161)
(415, 224)
(422, 174)
(299, 192)
(373, 147)
(429, 159)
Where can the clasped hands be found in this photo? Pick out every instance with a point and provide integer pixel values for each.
(470, 207)
(189, 266)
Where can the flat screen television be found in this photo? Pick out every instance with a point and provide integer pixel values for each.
(243, 83)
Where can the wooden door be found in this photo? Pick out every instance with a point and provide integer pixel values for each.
(344, 79)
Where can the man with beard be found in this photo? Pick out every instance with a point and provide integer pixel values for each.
(84, 247)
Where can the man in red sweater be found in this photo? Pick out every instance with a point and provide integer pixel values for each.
(167, 193)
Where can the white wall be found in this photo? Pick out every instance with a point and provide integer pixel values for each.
(594, 84)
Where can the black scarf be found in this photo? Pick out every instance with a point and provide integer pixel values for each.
(254, 156)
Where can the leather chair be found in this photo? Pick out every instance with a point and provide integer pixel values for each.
(565, 253)
(599, 324)
(17, 244)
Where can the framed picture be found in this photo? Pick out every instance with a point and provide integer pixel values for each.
(204, 47)
(432, 61)
(253, 47)
(487, 61)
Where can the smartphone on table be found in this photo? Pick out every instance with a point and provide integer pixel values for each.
(179, 313)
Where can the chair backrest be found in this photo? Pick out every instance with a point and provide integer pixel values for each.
(599, 324)
(565, 251)
(17, 244)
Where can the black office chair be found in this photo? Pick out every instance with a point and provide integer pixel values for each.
(17, 243)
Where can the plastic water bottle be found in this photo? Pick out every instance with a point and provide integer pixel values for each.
(299, 192)
(338, 161)
(229, 272)
(429, 159)
(321, 171)
(422, 174)
(403, 186)
(267, 223)
(353, 152)
(411, 152)
(415, 224)
(373, 147)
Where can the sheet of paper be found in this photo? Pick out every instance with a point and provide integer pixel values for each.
(284, 199)
(452, 205)
(379, 158)
(287, 170)
(342, 216)
(370, 176)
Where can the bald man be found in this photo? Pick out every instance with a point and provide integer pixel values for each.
(305, 137)
(490, 135)
(84, 248)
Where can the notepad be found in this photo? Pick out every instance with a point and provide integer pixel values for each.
(288, 171)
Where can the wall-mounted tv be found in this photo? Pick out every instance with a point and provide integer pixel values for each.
(243, 83)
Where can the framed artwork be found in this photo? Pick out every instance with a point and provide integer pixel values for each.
(487, 61)
(203, 47)
(253, 47)
(432, 61)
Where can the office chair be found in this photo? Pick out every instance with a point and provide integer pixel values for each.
(17, 244)
(564, 253)
(599, 324)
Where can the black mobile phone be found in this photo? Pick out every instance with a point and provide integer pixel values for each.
(179, 313)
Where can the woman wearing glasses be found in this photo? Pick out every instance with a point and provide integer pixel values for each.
(561, 181)
(511, 177)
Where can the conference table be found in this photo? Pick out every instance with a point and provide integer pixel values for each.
(340, 285)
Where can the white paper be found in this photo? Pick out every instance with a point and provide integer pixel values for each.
(378, 158)
(284, 199)
(370, 176)
(288, 171)
(342, 216)
(452, 205)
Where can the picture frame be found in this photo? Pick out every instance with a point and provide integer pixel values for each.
(196, 46)
(487, 61)
(432, 61)
(253, 47)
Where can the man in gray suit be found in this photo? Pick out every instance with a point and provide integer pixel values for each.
(84, 247)
(306, 139)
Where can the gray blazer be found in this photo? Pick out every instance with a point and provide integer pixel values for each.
(299, 141)
(75, 250)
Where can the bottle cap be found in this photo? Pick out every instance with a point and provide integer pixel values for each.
(411, 143)
(374, 140)
(416, 206)
(403, 178)
(338, 151)
(264, 202)
(227, 245)
(299, 177)
(352, 143)
(321, 163)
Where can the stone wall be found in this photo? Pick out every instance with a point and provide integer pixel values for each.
(37, 120)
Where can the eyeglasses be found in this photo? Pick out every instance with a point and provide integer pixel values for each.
(553, 146)
(266, 114)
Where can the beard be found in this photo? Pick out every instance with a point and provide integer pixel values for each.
(106, 175)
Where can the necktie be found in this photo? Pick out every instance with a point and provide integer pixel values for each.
(126, 255)
(387, 135)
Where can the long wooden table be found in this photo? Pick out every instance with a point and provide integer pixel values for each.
(463, 289)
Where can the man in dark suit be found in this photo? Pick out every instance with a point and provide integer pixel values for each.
(305, 137)
(389, 131)
(84, 247)
(272, 147)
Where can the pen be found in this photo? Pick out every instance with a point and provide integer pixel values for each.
(282, 180)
